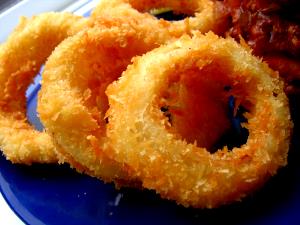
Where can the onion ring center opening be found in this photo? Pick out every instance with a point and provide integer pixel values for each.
(167, 10)
(168, 14)
(31, 102)
(203, 107)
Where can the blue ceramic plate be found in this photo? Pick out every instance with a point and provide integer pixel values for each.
(54, 195)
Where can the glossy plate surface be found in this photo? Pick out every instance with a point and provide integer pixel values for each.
(51, 194)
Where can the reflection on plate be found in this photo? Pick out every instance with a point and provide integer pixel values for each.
(52, 194)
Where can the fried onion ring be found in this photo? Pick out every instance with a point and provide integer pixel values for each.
(203, 15)
(80, 69)
(162, 156)
(21, 57)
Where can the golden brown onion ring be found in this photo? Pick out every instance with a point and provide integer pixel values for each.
(143, 137)
(21, 57)
(72, 101)
(203, 14)
(159, 37)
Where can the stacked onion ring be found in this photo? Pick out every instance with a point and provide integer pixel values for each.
(161, 151)
(80, 69)
(202, 15)
(84, 65)
(21, 57)
(158, 124)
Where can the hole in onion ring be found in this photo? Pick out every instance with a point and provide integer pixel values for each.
(204, 112)
(31, 103)
(237, 135)
(167, 10)
(168, 14)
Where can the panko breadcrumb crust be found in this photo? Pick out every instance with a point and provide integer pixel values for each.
(80, 69)
(21, 57)
(118, 110)
(202, 15)
(182, 171)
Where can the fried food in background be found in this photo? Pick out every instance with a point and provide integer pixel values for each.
(272, 30)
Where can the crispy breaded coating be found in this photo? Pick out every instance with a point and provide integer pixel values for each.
(21, 57)
(161, 154)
